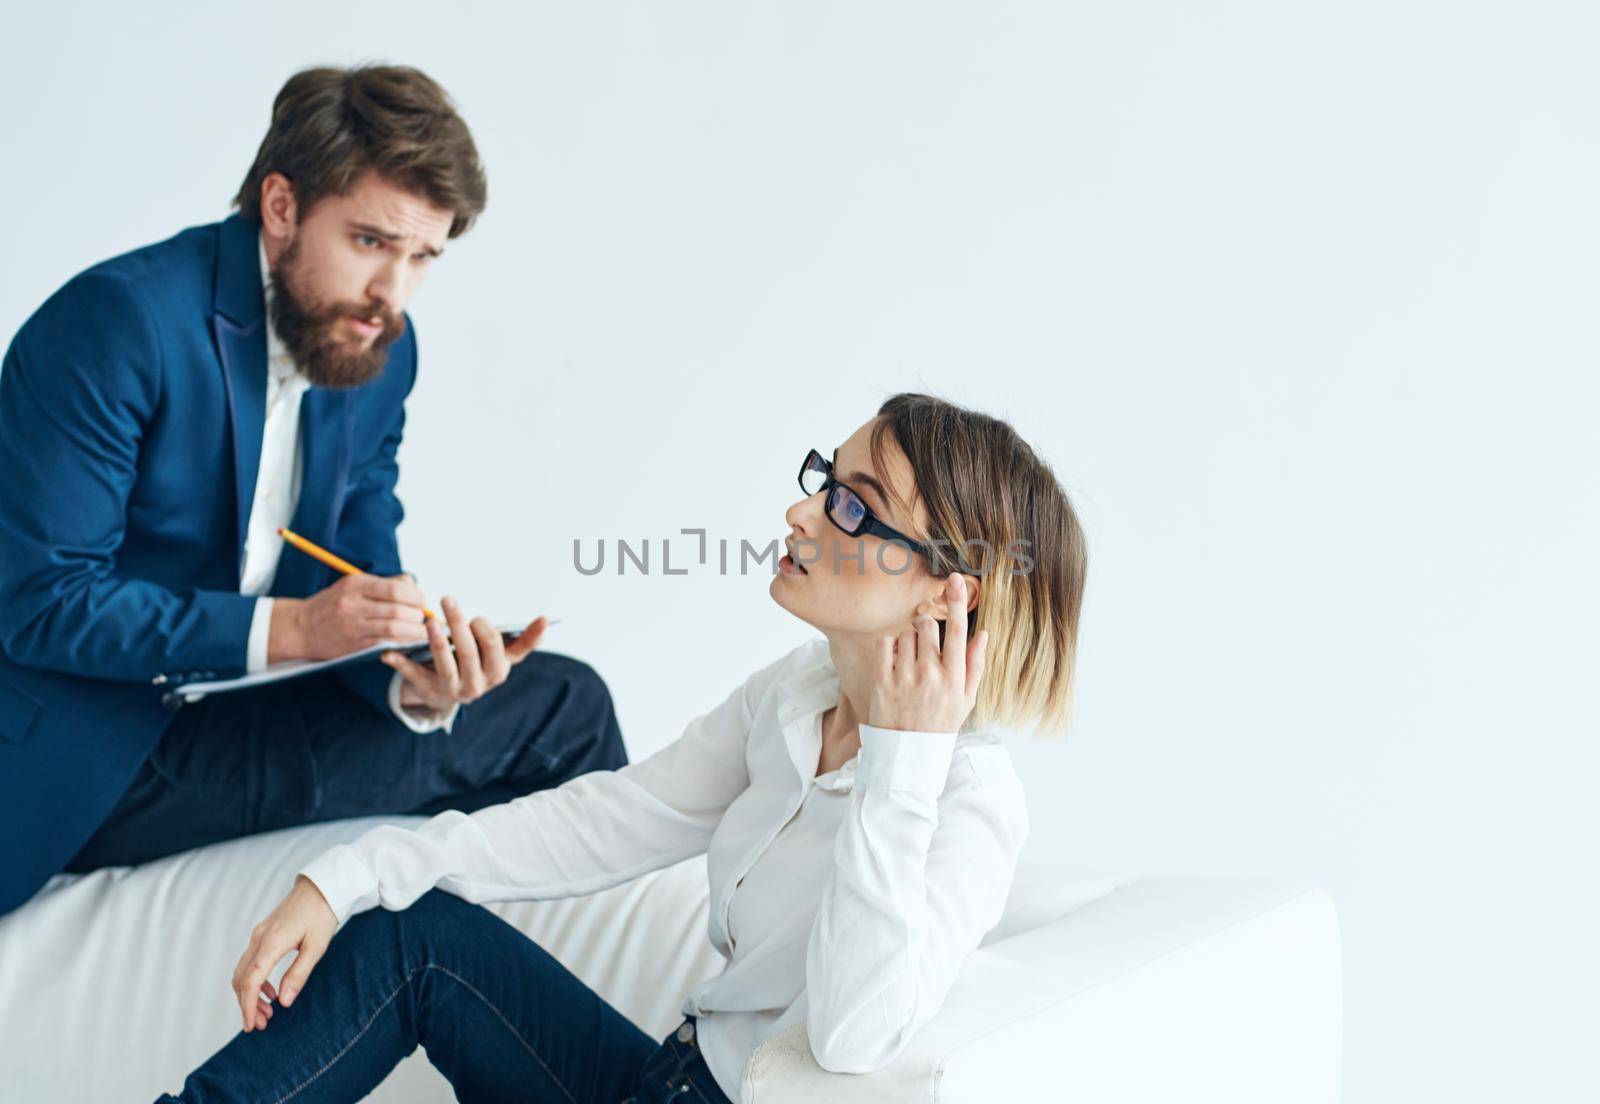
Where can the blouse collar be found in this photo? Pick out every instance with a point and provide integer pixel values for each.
(803, 696)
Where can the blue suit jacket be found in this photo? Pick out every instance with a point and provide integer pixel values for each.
(131, 412)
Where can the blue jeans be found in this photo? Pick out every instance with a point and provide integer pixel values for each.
(495, 1012)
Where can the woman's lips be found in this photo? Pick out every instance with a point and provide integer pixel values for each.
(787, 565)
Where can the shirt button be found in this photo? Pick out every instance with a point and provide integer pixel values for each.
(685, 1033)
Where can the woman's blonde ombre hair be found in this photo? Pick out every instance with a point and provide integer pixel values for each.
(1001, 517)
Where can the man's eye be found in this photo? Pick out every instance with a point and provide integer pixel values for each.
(366, 239)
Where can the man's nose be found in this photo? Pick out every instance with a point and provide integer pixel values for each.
(388, 288)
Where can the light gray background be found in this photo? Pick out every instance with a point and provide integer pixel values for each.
(1298, 300)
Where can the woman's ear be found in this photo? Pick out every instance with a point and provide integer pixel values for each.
(939, 603)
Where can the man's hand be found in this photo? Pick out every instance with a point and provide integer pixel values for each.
(479, 662)
(356, 612)
(302, 922)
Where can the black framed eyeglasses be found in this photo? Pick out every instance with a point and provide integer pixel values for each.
(845, 508)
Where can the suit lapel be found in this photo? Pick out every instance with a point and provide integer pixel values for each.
(239, 328)
(325, 436)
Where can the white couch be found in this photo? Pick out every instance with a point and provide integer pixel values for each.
(1092, 989)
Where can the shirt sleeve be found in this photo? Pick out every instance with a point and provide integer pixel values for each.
(260, 636)
(592, 832)
(923, 864)
(419, 719)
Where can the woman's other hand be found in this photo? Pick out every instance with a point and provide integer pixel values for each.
(921, 688)
(303, 922)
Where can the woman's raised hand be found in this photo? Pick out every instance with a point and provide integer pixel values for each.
(303, 922)
(921, 688)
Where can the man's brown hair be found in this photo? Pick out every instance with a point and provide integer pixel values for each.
(331, 125)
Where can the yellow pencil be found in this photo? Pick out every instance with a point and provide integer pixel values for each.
(317, 552)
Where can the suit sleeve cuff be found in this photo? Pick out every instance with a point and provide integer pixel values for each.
(260, 633)
(893, 759)
(419, 720)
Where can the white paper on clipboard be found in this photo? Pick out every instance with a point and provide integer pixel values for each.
(185, 692)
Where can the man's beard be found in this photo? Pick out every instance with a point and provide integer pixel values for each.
(307, 332)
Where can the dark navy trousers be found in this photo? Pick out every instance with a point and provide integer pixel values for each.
(310, 749)
(498, 1015)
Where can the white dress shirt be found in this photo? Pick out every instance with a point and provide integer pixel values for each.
(846, 901)
(277, 494)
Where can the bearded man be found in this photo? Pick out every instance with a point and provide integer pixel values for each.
(162, 415)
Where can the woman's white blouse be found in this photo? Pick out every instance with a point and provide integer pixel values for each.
(846, 901)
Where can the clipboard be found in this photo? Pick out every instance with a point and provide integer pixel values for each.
(192, 686)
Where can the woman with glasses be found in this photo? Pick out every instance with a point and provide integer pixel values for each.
(860, 818)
